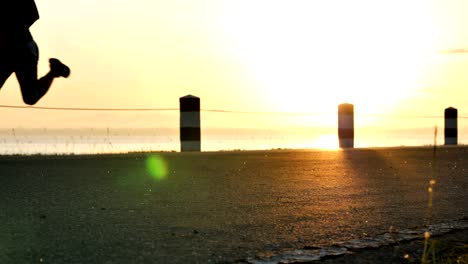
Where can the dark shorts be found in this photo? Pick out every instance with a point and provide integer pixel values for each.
(22, 60)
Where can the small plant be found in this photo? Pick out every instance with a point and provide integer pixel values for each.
(437, 251)
(443, 252)
(432, 181)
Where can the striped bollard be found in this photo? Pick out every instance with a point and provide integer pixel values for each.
(190, 123)
(346, 125)
(451, 126)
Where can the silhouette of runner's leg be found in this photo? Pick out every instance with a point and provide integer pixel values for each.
(4, 75)
(6, 68)
(32, 89)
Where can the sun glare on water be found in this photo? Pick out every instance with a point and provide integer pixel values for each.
(326, 142)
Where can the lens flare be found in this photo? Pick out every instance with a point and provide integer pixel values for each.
(157, 167)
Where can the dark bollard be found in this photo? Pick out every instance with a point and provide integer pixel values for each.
(451, 126)
(346, 125)
(190, 123)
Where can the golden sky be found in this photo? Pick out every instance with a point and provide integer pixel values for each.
(399, 57)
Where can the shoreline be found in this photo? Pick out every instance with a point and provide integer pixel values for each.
(234, 151)
(451, 246)
(448, 241)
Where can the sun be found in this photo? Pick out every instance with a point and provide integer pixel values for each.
(308, 56)
(326, 142)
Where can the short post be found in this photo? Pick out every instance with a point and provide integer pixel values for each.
(346, 125)
(451, 126)
(190, 123)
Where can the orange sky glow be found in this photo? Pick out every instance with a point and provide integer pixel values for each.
(389, 58)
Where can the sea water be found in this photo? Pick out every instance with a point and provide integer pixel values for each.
(101, 141)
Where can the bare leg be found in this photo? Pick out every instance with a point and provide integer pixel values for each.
(5, 69)
(4, 75)
(36, 89)
(32, 89)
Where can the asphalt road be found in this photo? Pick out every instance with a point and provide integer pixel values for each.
(221, 206)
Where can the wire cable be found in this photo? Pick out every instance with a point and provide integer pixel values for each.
(86, 108)
(215, 111)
